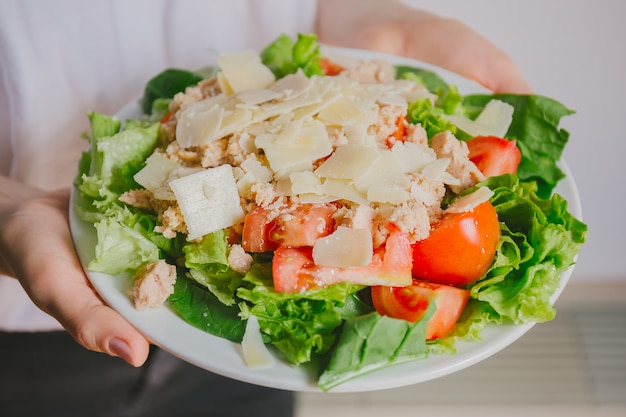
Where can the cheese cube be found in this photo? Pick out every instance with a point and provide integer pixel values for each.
(208, 200)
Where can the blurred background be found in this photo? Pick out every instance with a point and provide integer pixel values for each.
(573, 51)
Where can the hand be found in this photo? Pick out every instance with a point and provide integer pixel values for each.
(36, 247)
(394, 28)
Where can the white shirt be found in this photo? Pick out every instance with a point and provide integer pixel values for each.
(61, 59)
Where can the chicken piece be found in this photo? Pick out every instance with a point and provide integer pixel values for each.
(214, 154)
(413, 218)
(152, 285)
(172, 221)
(416, 134)
(141, 199)
(386, 124)
(445, 144)
(190, 157)
(264, 194)
(375, 71)
(203, 90)
(238, 259)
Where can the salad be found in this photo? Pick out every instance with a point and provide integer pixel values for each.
(350, 214)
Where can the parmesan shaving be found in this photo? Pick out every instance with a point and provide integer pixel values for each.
(470, 201)
(345, 247)
(255, 353)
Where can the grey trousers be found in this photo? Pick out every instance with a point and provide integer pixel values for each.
(50, 375)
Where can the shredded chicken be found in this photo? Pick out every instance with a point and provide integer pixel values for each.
(238, 259)
(386, 124)
(445, 144)
(375, 71)
(141, 199)
(172, 222)
(152, 285)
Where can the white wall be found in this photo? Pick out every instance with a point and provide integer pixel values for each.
(573, 51)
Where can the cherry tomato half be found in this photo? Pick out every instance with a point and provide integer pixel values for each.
(493, 155)
(460, 247)
(410, 303)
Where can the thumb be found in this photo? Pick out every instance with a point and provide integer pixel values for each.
(44, 260)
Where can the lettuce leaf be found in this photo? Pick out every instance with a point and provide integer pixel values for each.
(207, 262)
(429, 79)
(535, 127)
(115, 157)
(285, 56)
(200, 308)
(300, 325)
(125, 237)
(449, 100)
(372, 342)
(540, 240)
(121, 248)
(165, 85)
(423, 112)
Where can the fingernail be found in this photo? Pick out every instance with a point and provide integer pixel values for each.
(120, 348)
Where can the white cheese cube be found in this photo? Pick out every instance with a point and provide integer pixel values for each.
(208, 200)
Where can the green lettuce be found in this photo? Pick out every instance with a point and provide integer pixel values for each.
(200, 308)
(371, 342)
(121, 248)
(285, 56)
(540, 240)
(300, 325)
(449, 99)
(125, 237)
(165, 85)
(207, 262)
(423, 112)
(115, 156)
(535, 127)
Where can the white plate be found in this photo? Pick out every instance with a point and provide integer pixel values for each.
(167, 330)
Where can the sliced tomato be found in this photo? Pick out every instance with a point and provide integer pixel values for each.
(493, 155)
(329, 67)
(399, 135)
(293, 269)
(166, 117)
(256, 231)
(286, 266)
(303, 225)
(460, 247)
(410, 303)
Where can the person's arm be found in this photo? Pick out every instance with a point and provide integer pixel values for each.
(392, 27)
(36, 248)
